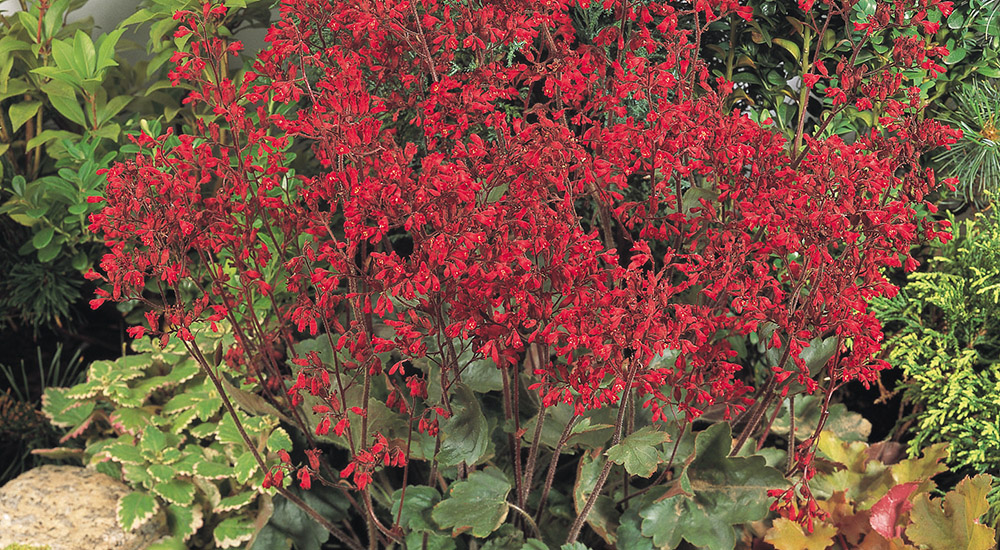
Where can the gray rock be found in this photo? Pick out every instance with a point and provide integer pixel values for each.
(70, 508)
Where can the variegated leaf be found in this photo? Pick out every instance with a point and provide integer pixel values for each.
(175, 492)
(235, 502)
(62, 411)
(279, 440)
(245, 467)
(160, 472)
(184, 521)
(125, 453)
(213, 470)
(233, 531)
(134, 509)
(130, 420)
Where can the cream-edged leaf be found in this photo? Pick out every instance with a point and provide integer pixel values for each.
(235, 502)
(233, 532)
(134, 509)
(184, 521)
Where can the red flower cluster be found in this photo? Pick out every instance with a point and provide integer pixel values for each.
(486, 182)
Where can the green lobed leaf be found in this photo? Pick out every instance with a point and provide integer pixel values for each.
(435, 541)
(420, 499)
(466, 434)
(592, 431)
(288, 523)
(252, 403)
(477, 505)
(848, 425)
(952, 523)
(726, 492)
(134, 509)
(639, 453)
(629, 532)
(603, 518)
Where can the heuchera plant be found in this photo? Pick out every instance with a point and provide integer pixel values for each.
(483, 184)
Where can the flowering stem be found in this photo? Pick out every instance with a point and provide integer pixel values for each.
(553, 462)
(309, 510)
(803, 89)
(574, 530)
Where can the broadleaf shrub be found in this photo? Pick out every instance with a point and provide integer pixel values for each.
(496, 215)
(68, 101)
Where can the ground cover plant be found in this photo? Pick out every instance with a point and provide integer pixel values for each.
(519, 275)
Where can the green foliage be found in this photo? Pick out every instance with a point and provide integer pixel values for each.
(40, 294)
(639, 453)
(478, 505)
(945, 326)
(67, 101)
(975, 159)
(713, 493)
(467, 431)
(63, 125)
(156, 421)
